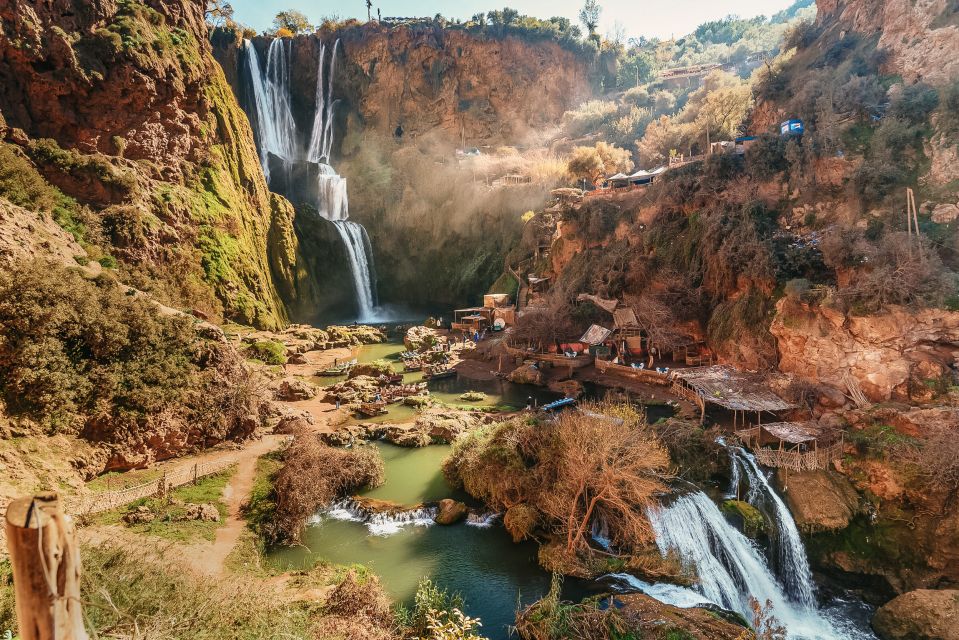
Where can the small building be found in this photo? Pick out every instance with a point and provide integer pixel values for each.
(472, 319)
(643, 177)
(512, 180)
(798, 446)
(496, 300)
(617, 181)
(723, 386)
(792, 128)
(743, 143)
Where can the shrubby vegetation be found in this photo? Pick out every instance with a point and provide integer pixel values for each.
(82, 356)
(313, 475)
(555, 478)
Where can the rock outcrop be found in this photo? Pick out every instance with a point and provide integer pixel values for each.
(923, 614)
(922, 37)
(892, 355)
(122, 107)
(819, 500)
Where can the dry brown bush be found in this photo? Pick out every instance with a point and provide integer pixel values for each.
(312, 476)
(602, 462)
(359, 598)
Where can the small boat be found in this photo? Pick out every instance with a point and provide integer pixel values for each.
(558, 404)
(340, 369)
(371, 409)
(438, 372)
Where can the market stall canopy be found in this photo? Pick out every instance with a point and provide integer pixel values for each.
(606, 305)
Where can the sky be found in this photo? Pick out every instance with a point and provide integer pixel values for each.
(638, 18)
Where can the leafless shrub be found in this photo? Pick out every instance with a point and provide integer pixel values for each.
(312, 476)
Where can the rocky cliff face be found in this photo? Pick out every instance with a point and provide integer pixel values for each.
(121, 106)
(922, 36)
(901, 354)
(406, 99)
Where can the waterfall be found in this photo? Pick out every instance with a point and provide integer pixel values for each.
(357, 245)
(790, 555)
(276, 135)
(731, 569)
(378, 524)
(273, 118)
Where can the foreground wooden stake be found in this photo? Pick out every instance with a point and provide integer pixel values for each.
(45, 558)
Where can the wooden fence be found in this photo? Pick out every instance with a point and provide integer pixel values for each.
(107, 500)
(799, 461)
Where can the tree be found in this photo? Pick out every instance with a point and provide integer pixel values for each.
(292, 21)
(369, 10)
(593, 163)
(589, 16)
(218, 12)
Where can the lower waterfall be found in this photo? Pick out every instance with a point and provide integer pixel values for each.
(360, 255)
(732, 569)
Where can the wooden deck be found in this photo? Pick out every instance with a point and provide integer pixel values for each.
(558, 360)
(648, 376)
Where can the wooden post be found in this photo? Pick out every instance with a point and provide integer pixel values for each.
(45, 558)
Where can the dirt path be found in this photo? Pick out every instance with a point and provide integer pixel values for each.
(210, 558)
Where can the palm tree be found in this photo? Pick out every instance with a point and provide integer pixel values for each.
(589, 16)
(369, 10)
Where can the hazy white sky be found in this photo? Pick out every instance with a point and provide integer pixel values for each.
(662, 19)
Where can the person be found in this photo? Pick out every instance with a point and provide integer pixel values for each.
(337, 404)
(529, 403)
(336, 361)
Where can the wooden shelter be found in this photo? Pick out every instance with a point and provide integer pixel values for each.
(472, 319)
(798, 446)
(726, 387)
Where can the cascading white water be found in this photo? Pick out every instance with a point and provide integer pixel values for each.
(276, 135)
(274, 124)
(357, 248)
(731, 569)
(791, 562)
(379, 524)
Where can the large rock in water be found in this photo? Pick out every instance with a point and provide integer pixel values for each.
(419, 338)
(450, 512)
(924, 614)
(819, 500)
(526, 374)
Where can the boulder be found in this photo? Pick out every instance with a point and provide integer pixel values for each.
(420, 338)
(418, 401)
(473, 396)
(944, 213)
(924, 614)
(569, 388)
(450, 512)
(819, 500)
(204, 512)
(372, 369)
(293, 389)
(140, 515)
(297, 358)
(526, 374)
(407, 437)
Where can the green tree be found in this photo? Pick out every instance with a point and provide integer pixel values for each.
(589, 16)
(292, 21)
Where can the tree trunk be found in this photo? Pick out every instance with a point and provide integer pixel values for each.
(45, 558)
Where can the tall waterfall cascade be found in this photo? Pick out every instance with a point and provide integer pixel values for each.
(278, 143)
(732, 569)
